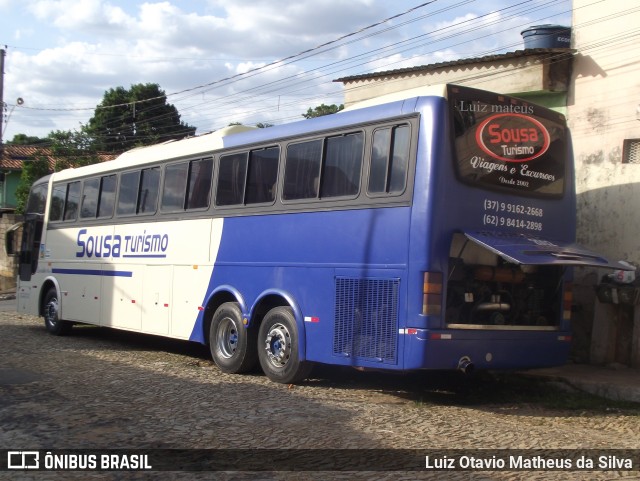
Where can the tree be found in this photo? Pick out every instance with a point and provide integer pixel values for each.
(23, 139)
(68, 148)
(31, 171)
(322, 109)
(72, 148)
(135, 117)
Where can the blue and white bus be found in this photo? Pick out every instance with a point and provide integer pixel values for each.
(430, 231)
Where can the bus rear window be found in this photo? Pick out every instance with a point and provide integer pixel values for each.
(507, 144)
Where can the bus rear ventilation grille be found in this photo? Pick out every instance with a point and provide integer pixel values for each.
(366, 319)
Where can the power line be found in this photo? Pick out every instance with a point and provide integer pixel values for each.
(257, 69)
(297, 81)
(300, 77)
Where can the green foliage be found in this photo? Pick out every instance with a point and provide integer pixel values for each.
(68, 148)
(72, 149)
(322, 109)
(31, 171)
(136, 117)
(23, 139)
(123, 120)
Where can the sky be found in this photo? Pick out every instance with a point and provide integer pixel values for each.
(223, 61)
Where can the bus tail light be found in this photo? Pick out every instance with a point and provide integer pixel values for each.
(567, 301)
(432, 294)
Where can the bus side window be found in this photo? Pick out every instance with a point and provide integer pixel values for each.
(231, 179)
(89, 205)
(58, 195)
(175, 187)
(389, 160)
(302, 170)
(262, 175)
(72, 201)
(65, 200)
(107, 198)
(128, 192)
(341, 169)
(200, 176)
(148, 196)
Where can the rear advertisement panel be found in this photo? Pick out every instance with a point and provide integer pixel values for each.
(507, 144)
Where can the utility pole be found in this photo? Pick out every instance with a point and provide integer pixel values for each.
(2, 53)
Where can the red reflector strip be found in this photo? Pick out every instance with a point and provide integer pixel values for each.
(564, 338)
(438, 336)
(311, 319)
(200, 308)
(411, 331)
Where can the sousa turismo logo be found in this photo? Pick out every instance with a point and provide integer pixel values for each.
(512, 137)
(143, 244)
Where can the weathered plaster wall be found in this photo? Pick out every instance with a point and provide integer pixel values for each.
(602, 113)
(495, 76)
(8, 265)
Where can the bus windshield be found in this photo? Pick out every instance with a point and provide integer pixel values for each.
(507, 144)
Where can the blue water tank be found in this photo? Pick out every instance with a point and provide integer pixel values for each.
(547, 36)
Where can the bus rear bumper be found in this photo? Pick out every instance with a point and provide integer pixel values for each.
(484, 349)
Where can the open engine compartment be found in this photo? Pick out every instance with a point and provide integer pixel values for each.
(486, 291)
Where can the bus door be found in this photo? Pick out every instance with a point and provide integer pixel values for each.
(22, 240)
(30, 246)
(32, 228)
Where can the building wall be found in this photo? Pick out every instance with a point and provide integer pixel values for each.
(541, 78)
(8, 265)
(523, 73)
(603, 110)
(8, 189)
(552, 100)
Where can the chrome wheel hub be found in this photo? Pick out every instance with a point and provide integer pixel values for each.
(278, 345)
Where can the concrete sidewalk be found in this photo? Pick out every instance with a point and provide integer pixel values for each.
(619, 383)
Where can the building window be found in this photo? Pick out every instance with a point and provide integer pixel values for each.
(631, 151)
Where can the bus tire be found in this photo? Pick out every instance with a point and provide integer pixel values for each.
(51, 314)
(278, 347)
(232, 345)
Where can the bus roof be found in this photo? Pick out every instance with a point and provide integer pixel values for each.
(438, 90)
(378, 108)
(166, 150)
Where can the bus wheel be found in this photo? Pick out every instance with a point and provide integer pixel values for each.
(278, 347)
(232, 345)
(51, 314)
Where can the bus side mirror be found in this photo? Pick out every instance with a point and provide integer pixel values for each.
(12, 240)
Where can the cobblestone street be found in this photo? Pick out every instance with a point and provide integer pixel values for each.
(103, 389)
